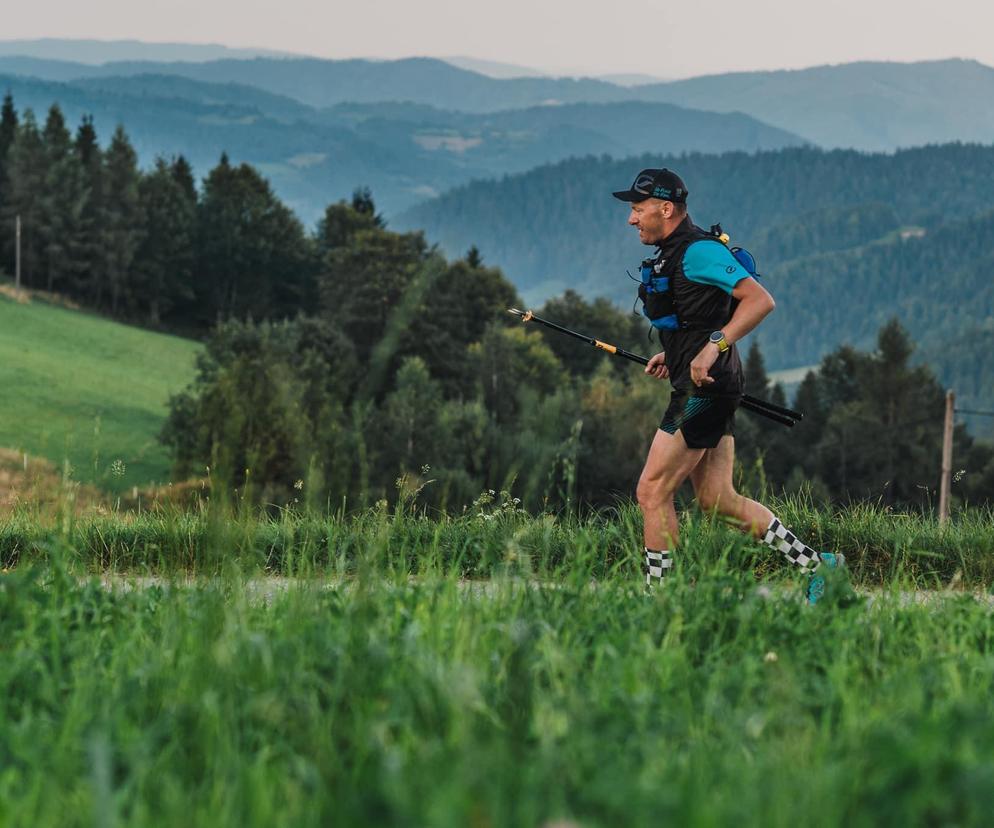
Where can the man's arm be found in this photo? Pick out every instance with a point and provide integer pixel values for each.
(754, 304)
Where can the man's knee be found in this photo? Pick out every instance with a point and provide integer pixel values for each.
(652, 493)
(717, 500)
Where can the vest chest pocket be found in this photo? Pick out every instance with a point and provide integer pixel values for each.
(657, 300)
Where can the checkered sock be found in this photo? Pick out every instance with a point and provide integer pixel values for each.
(657, 565)
(783, 540)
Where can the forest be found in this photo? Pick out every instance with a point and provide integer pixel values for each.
(354, 363)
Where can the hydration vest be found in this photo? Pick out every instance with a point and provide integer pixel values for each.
(656, 288)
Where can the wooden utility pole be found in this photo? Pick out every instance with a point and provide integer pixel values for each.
(947, 458)
(17, 255)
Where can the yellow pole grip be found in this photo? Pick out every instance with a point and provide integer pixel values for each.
(604, 346)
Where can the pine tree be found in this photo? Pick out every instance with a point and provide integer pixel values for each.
(254, 258)
(26, 180)
(64, 198)
(8, 128)
(8, 132)
(164, 260)
(182, 173)
(757, 381)
(122, 222)
(87, 151)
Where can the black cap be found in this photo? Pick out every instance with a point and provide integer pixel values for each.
(664, 184)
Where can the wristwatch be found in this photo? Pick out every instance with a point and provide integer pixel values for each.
(718, 338)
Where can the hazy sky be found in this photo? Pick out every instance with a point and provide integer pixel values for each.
(672, 39)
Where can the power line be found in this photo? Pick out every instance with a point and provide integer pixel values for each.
(971, 411)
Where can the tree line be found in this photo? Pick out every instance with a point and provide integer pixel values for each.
(408, 376)
(354, 363)
(146, 246)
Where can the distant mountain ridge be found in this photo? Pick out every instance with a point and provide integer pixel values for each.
(871, 105)
(493, 68)
(96, 52)
(404, 152)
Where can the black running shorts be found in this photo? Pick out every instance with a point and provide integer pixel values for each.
(703, 421)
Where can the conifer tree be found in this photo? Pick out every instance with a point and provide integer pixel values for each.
(8, 128)
(182, 173)
(122, 222)
(757, 381)
(8, 132)
(164, 261)
(87, 150)
(253, 256)
(26, 181)
(64, 198)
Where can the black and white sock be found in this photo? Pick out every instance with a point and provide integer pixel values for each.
(779, 537)
(657, 565)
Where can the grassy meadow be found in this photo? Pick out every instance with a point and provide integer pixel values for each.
(489, 669)
(88, 390)
(219, 665)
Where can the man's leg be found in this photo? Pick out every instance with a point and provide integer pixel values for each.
(667, 466)
(712, 481)
(713, 487)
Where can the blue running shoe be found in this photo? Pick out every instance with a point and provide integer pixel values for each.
(816, 583)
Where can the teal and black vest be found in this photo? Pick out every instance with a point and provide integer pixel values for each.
(670, 300)
(663, 290)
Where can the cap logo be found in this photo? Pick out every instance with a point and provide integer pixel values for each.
(661, 192)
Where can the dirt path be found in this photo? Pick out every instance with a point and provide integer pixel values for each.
(267, 588)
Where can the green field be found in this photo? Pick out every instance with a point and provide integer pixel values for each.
(494, 669)
(82, 388)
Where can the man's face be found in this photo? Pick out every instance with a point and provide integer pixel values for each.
(651, 217)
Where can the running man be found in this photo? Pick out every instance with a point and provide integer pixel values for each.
(702, 301)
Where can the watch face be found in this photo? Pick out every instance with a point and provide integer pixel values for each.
(716, 337)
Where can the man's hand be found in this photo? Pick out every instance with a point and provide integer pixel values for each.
(657, 366)
(702, 364)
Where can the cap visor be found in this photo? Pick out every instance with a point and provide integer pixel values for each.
(630, 195)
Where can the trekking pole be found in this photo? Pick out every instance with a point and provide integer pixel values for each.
(777, 413)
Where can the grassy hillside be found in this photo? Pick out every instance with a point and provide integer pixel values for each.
(94, 392)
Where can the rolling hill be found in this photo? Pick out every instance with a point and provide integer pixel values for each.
(872, 106)
(845, 240)
(867, 105)
(85, 390)
(404, 152)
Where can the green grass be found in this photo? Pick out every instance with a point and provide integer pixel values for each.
(496, 538)
(386, 701)
(89, 390)
(493, 669)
